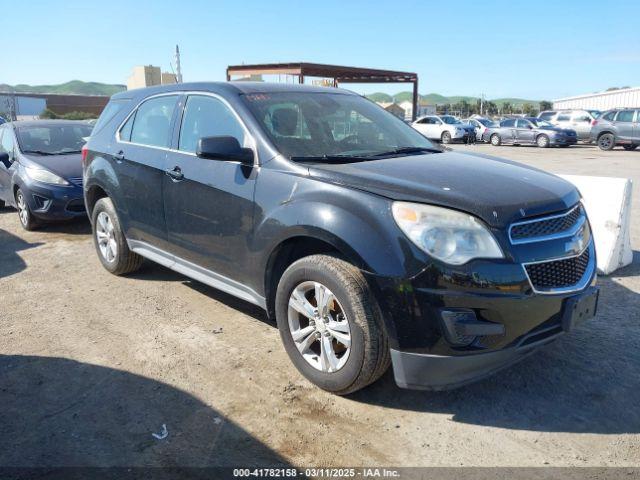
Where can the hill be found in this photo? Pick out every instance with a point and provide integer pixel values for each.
(436, 98)
(74, 87)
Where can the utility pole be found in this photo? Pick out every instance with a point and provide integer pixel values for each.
(178, 69)
(481, 102)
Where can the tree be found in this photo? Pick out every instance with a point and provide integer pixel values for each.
(545, 105)
(529, 110)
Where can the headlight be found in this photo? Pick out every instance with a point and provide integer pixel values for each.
(45, 176)
(448, 235)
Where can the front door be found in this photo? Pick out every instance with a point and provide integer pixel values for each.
(524, 131)
(7, 145)
(209, 203)
(581, 123)
(138, 158)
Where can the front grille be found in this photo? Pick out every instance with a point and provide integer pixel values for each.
(76, 180)
(558, 273)
(546, 226)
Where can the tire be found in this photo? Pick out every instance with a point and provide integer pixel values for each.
(445, 138)
(27, 220)
(542, 141)
(606, 141)
(629, 148)
(495, 139)
(109, 240)
(2, 204)
(368, 356)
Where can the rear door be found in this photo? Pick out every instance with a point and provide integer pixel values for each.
(139, 155)
(209, 210)
(624, 124)
(508, 130)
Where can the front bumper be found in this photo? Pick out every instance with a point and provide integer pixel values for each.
(563, 140)
(443, 372)
(53, 202)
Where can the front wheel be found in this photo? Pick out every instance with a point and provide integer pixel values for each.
(27, 220)
(446, 137)
(542, 141)
(331, 325)
(496, 140)
(606, 141)
(109, 240)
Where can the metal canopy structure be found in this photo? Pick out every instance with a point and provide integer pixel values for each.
(339, 74)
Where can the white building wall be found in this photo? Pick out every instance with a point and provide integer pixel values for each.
(629, 97)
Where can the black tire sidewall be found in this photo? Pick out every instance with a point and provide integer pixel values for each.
(106, 205)
(348, 374)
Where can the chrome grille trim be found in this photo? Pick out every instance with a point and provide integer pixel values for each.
(562, 234)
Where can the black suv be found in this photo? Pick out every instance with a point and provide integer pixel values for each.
(368, 244)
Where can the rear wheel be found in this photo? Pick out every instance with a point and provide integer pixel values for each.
(495, 140)
(110, 242)
(542, 141)
(27, 220)
(629, 147)
(331, 325)
(606, 141)
(446, 137)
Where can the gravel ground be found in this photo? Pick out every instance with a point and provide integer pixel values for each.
(91, 365)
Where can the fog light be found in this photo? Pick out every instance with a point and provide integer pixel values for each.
(462, 327)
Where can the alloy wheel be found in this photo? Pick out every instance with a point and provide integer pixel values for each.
(23, 209)
(105, 234)
(319, 326)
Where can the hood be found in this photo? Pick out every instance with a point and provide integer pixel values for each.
(65, 166)
(498, 191)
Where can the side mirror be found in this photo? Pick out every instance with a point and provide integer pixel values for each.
(224, 148)
(4, 159)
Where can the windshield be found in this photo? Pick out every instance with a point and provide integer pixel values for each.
(53, 139)
(448, 119)
(323, 126)
(540, 123)
(487, 123)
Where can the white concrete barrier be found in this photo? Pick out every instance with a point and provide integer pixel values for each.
(608, 204)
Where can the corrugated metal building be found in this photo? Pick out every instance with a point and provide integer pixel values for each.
(627, 97)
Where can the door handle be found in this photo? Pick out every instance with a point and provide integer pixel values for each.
(119, 156)
(175, 173)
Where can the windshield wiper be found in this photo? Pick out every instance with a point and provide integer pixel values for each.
(66, 152)
(39, 152)
(331, 158)
(403, 150)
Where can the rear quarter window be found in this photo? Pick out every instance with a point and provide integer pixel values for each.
(110, 111)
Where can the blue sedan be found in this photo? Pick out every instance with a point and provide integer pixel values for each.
(41, 169)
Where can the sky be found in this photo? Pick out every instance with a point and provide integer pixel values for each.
(536, 49)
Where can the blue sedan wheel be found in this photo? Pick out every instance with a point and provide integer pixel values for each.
(27, 220)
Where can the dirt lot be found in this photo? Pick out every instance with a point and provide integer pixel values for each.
(91, 365)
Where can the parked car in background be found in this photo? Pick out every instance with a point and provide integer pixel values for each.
(444, 128)
(2, 120)
(41, 169)
(578, 120)
(617, 127)
(365, 242)
(480, 125)
(530, 131)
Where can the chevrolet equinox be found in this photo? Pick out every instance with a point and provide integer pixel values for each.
(368, 244)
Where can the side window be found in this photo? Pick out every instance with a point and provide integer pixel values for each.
(207, 117)
(125, 131)
(563, 117)
(508, 123)
(6, 143)
(547, 115)
(625, 116)
(522, 124)
(581, 117)
(609, 116)
(109, 112)
(153, 121)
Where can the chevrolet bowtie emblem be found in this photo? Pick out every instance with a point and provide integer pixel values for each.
(576, 244)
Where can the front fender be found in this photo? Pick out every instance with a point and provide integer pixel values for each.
(357, 223)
